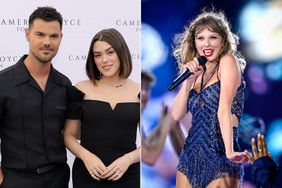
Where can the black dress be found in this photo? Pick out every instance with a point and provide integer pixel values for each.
(109, 134)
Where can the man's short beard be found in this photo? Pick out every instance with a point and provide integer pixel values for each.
(42, 60)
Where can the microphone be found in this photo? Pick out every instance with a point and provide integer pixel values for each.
(202, 61)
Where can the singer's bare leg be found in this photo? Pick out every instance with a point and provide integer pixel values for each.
(182, 181)
(230, 182)
(225, 182)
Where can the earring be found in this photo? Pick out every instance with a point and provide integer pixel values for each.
(100, 75)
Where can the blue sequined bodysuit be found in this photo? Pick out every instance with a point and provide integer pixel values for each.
(203, 158)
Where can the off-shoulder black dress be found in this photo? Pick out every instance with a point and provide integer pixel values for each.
(109, 134)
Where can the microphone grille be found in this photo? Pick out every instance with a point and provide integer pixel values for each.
(202, 60)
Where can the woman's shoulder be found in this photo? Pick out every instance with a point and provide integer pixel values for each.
(228, 57)
(229, 61)
(84, 85)
(229, 68)
(133, 84)
(75, 93)
(134, 87)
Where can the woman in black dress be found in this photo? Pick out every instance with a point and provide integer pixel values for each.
(104, 114)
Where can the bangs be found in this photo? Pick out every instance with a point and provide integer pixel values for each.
(210, 27)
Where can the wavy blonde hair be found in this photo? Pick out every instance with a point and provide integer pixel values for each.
(185, 49)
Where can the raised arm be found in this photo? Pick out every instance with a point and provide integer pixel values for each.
(265, 171)
(152, 145)
(179, 108)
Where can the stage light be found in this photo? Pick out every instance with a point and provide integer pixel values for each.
(261, 29)
(274, 138)
(274, 71)
(154, 51)
(257, 81)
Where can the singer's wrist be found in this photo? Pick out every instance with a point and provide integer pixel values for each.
(188, 84)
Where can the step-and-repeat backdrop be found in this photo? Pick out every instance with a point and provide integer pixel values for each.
(81, 21)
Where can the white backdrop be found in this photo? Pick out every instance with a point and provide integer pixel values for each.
(82, 19)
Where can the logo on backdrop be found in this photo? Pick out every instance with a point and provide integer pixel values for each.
(134, 23)
(20, 24)
(77, 58)
(8, 60)
(136, 56)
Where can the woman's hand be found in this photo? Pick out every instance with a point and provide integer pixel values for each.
(237, 157)
(259, 149)
(117, 168)
(94, 165)
(194, 67)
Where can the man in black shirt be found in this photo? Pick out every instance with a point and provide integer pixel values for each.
(33, 103)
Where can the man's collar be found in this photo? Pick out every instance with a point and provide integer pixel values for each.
(22, 74)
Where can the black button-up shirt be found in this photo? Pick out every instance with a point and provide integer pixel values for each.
(31, 120)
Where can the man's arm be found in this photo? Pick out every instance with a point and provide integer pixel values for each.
(264, 168)
(264, 172)
(154, 143)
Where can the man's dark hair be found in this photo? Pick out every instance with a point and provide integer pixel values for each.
(47, 14)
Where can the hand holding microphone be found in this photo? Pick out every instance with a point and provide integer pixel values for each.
(194, 69)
